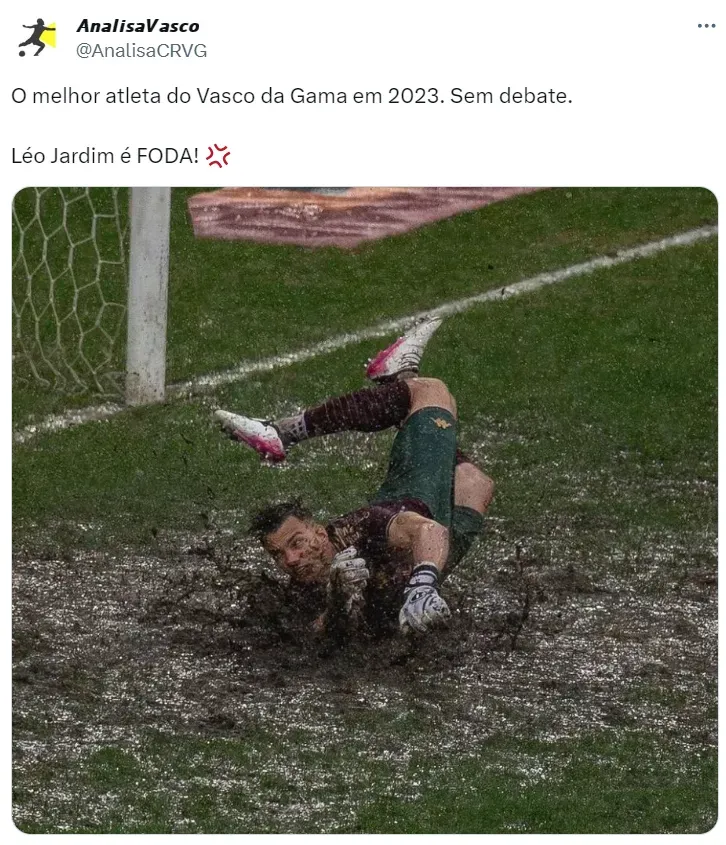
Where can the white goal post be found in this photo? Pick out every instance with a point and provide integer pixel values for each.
(150, 215)
(88, 262)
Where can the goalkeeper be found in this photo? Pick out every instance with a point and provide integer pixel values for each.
(385, 560)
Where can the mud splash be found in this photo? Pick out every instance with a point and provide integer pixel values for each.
(204, 639)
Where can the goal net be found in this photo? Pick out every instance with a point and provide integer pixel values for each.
(69, 284)
(87, 263)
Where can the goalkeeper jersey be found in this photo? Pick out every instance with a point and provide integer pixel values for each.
(367, 529)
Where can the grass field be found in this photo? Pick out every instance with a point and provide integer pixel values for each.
(576, 690)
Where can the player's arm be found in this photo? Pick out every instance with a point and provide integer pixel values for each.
(428, 541)
(423, 608)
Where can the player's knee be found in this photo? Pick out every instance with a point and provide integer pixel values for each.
(473, 488)
(427, 392)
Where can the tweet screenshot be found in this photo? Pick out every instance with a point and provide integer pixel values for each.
(362, 383)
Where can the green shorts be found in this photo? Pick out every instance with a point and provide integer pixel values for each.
(422, 465)
(423, 458)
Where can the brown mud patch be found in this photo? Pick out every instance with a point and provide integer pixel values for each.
(202, 641)
(207, 637)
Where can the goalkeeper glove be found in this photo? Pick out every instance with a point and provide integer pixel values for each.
(348, 573)
(423, 608)
(347, 583)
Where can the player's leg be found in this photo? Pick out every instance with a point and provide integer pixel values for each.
(473, 492)
(430, 393)
(371, 409)
(423, 454)
(393, 399)
(473, 488)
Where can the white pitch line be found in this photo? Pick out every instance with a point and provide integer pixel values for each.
(206, 383)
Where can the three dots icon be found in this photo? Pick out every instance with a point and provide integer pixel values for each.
(707, 25)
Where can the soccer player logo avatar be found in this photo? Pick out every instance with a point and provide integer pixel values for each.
(40, 36)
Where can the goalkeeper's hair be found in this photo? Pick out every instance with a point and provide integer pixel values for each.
(269, 519)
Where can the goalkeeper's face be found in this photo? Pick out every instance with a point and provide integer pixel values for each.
(302, 549)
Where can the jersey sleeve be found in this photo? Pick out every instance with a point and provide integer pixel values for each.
(367, 528)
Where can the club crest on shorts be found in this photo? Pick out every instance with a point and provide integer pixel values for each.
(440, 423)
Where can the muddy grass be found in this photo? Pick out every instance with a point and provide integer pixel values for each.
(552, 640)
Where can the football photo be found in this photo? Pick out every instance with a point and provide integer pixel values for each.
(364, 510)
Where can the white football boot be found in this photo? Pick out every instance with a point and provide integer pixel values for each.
(262, 436)
(403, 355)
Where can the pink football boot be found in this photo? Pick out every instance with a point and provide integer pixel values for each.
(404, 354)
(258, 434)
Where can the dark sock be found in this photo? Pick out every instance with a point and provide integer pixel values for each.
(291, 429)
(372, 409)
